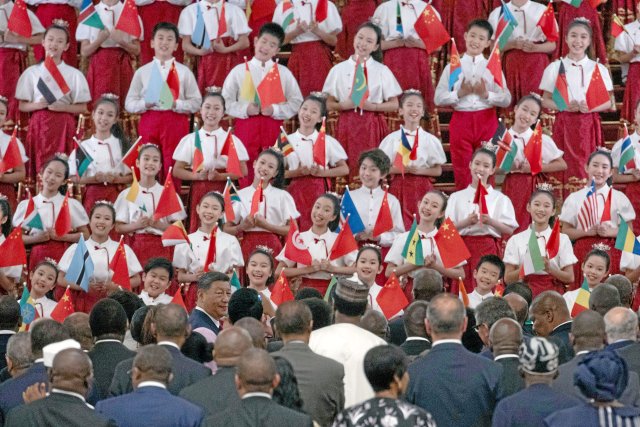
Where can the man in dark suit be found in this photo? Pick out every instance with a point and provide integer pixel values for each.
(171, 328)
(218, 392)
(70, 378)
(456, 386)
(551, 319)
(43, 332)
(588, 335)
(621, 326)
(151, 403)
(631, 353)
(320, 379)
(413, 319)
(603, 298)
(519, 306)
(214, 292)
(10, 320)
(624, 287)
(505, 338)
(19, 357)
(255, 380)
(108, 322)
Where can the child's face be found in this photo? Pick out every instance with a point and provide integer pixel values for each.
(310, 113)
(578, 40)
(323, 212)
(209, 211)
(541, 208)
(53, 176)
(156, 281)
(266, 166)
(149, 162)
(3, 112)
(476, 40)
(105, 116)
(482, 167)
(594, 270)
(430, 208)
(101, 222)
(365, 42)
(412, 109)
(599, 168)
(368, 267)
(55, 43)
(370, 174)
(164, 43)
(43, 279)
(486, 276)
(526, 113)
(259, 269)
(266, 47)
(212, 111)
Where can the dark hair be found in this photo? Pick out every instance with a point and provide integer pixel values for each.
(408, 94)
(481, 23)
(259, 250)
(272, 29)
(159, 262)
(305, 293)
(598, 252)
(493, 309)
(376, 54)
(44, 332)
(148, 145)
(108, 317)
(245, 302)
(103, 204)
(205, 281)
(220, 199)
(470, 338)
(414, 317)
(533, 98)
(486, 151)
(348, 308)
(63, 188)
(606, 154)
(10, 316)
(320, 311)
(292, 317)
(622, 284)
(521, 289)
(166, 26)
(137, 322)
(548, 193)
(287, 393)
(116, 128)
(197, 348)
(62, 28)
(278, 181)
(320, 101)
(587, 25)
(379, 159)
(333, 225)
(212, 94)
(370, 248)
(129, 301)
(384, 363)
(6, 211)
(445, 200)
(49, 263)
(493, 260)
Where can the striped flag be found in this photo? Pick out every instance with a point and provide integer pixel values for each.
(403, 153)
(51, 83)
(287, 13)
(332, 284)
(588, 214)
(234, 281)
(412, 250)
(89, 16)
(197, 164)
(507, 149)
(627, 153)
(462, 292)
(533, 261)
(399, 19)
(81, 267)
(80, 159)
(582, 299)
(625, 240)
(200, 37)
(175, 234)
(560, 93)
(27, 309)
(230, 195)
(506, 24)
(32, 217)
(282, 143)
(349, 212)
(248, 91)
(455, 68)
(360, 86)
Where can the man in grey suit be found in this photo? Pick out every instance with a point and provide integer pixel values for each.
(320, 379)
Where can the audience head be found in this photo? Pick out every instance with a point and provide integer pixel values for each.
(489, 312)
(521, 289)
(245, 302)
(256, 372)
(129, 301)
(10, 318)
(350, 298)
(255, 329)
(137, 323)
(470, 338)
(548, 311)
(603, 298)
(230, 344)
(386, 369)
(108, 320)
(214, 292)
(171, 323)
(427, 283)
(414, 319)
(375, 322)
(446, 317)
(46, 331)
(196, 347)
(320, 311)
(18, 355)
(71, 371)
(539, 360)
(588, 331)
(152, 363)
(624, 287)
(519, 306)
(601, 376)
(305, 293)
(79, 329)
(621, 323)
(287, 392)
(294, 321)
(505, 337)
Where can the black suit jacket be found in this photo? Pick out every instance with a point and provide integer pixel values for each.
(56, 410)
(560, 336)
(620, 344)
(511, 381)
(259, 411)
(198, 319)
(105, 356)
(631, 354)
(216, 393)
(4, 339)
(397, 334)
(11, 390)
(185, 372)
(415, 347)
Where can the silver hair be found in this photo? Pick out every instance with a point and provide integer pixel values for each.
(19, 350)
(625, 328)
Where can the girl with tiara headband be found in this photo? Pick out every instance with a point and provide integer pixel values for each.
(308, 180)
(592, 214)
(576, 130)
(106, 175)
(39, 225)
(9, 276)
(480, 231)
(61, 13)
(136, 206)
(519, 179)
(320, 239)
(102, 250)
(212, 174)
(189, 259)
(626, 164)
(43, 280)
(567, 15)
(595, 269)
(558, 267)
(10, 178)
(411, 181)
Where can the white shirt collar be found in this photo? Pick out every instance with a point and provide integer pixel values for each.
(505, 356)
(71, 393)
(417, 339)
(167, 63)
(258, 63)
(108, 340)
(256, 394)
(169, 343)
(7, 332)
(217, 322)
(446, 341)
(152, 384)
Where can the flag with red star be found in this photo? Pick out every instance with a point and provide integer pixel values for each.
(64, 307)
(452, 249)
(270, 88)
(129, 21)
(430, 29)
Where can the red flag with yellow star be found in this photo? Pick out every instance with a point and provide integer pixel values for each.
(270, 88)
(18, 21)
(129, 21)
(64, 307)
(211, 251)
(169, 202)
(391, 298)
(177, 299)
(233, 161)
(430, 29)
(320, 146)
(494, 66)
(120, 268)
(450, 245)
(281, 290)
(63, 221)
(12, 249)
(384, 221)
(548, 24)
(533, 150)
(597, 94)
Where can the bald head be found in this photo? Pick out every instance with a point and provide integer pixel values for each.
(505, 337)
(255, 329)
(621, 323)
(446, 317)
(548, 310)
(256, 372)
(171, 321)
(71, 371)
(231, 343)
(519, 306)
(587, 331)
(294, 321)
(603, 298)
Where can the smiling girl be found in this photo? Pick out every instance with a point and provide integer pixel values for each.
(43, 280)
(595, 269)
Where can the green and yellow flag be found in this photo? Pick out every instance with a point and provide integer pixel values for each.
(412, 251)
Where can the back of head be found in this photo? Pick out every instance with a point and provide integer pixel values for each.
(129, 301)
(197, 348)
(375, 322)
(539, 356)
(245, 302)
(383, 364)
(9, 313)
(493, 309)
(255, 329)
(44, 332)
(553, 302)
(621, 323)
(154, 363)
(505, 336)
(137, 321)
(521, 289)
(71, 370)
(293, 318)
(601, 376)
(108, 319)
(19, 350)
(446, 316)
(171, 321)
(231, 343)
(624, 287)
(603, 298)
(78, 326)
(287, 393)
(414, 317)
(305, 293)
(427, 283)
(519, 306)
(588, 331)
(350, 297)
(256, 371)
(320, 311)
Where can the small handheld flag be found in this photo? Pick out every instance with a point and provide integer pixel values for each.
(345, 243)
(597, 94)
(430, 29)
(506, 24)
(13, 249)
(533, 150)
(197, 164)
(211, 250)
(230, 195)
(51, 84)
(625, 240)
(120, 267)
(169, 202)
(295, 249)
(403, 153)
(588, 213)
(64, 307)
(384, 220)
(81, 159)
(63, 220)
(81, 267)
(175, 234)
(281, 290)
(282, 143)
(412, 250)
(548, 24)
(129, 21)
(455, 68)
(12, 157)
(507, 149)
(178, 299)
(28, 310)
(553, 244)
(462, 292)
(617, 26)
(391, 298)
(533, 262)
(256, 199)
(452, 248)
(582, 299)
(247, 91)
(18, 21)
(494, 66)
(360, 86)
(320, 147)
(89, 16)
(560, 93)
(270, 88)
(200, 37)
(233, 161)
(32, 217)
(627, 153)
(322, 11)
(348, 210)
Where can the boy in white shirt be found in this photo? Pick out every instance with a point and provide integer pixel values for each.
(156, 278)
(488, 273)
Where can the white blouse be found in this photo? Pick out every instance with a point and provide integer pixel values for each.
(302, 12)
(27, 87)
(235, 19)
(626, 41)
(615, 152)
(429, 153)
(620, 205)
(192, 259)
(527, 17)
(277, 206)
(109, 16)
(517, 247)
(578, 75)
(550, 150)
(107, 157)
(36, 26)
(368, 203)
(48, 210)
(302, 154)
(212, 144)
(386, 16)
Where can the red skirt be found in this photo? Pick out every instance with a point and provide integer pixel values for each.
(582, 247)
(214, 67)
(409, 190)
(197, 190)
(566, 15)
(46, 13)
(354, 14)
(417, 76)
(359, 132)
(51, 249)
(96, 192)
(577, 135)
(9, 190)
(256, 133)
(147, 246)
(305, 190)
(110, 71)
(518, 187)
(12, 63)
(320, 284)
(523, 71)
(49, 133)
(543, 282)
(150, 15)
(251, 239)
(478, 246)
(467, 130)
(631, 93)
(310, 63)
(84, 301)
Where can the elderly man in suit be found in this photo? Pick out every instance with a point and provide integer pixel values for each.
(151, 403)
(417, 340)
(505, 338)
(214, 292)
(320, 379)
(10, 320)
(19, 357)
(621, 326)
(456, 386)
(551, 319)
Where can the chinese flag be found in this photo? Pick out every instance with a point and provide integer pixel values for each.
(320, 146)
(548, 24)
(18, 21)
(177, 299)
(431, 30)
(494, 66)
(120, 268)
(173, 81)
(617, 26)
(12, 157)
(294, 249)
(270, 88)
(13, 249)
(233, 161)
(462, 292)
(63, 221)
(480, 199)
(450, 245)
(597, 94)
(533, 150)
(130, 158)
(384, 221)
(129, 21)
(606, 212)
(64, 307)
(322, 10)
(169, 202)
(211, 251)
(391, 298)
(281, 290)
(499, 290)
(553, 244)
(256, 199)
(222, 20)
(345, 243)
